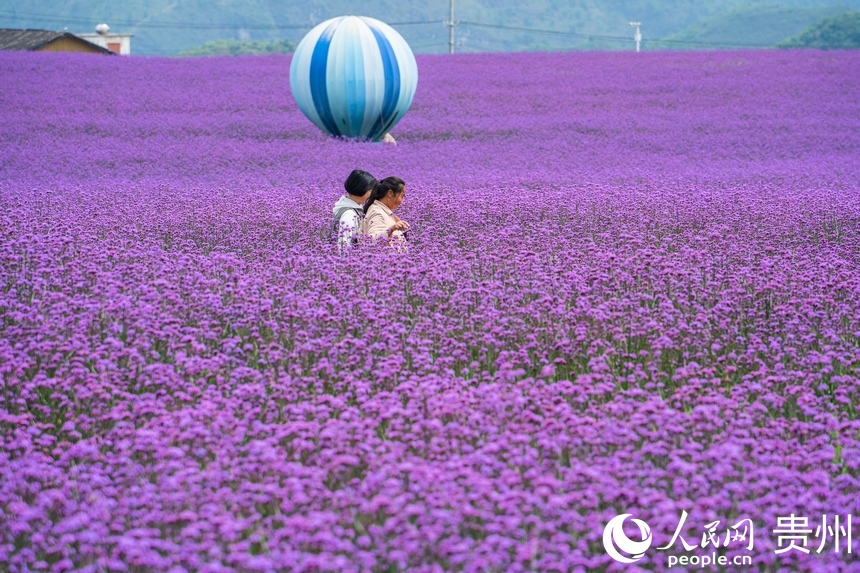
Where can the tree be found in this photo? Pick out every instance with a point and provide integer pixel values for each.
(235, 48)
(840, 32)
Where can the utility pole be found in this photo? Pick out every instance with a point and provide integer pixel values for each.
(637, 36)
(451, 23)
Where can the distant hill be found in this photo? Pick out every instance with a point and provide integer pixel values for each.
(840, 32)
(168, 27)
(236, 48)
(754, 26)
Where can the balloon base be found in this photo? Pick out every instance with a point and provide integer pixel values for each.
(387, 139)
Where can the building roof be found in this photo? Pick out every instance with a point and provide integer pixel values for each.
(11, 39)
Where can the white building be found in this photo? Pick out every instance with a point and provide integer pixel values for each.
(117, 43)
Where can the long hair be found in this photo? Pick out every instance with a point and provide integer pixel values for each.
(394, 184)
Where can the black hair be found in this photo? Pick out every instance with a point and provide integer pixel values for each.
(394, 184)
(359, 182)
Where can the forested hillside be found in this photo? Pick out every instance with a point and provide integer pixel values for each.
(760, 25)
(841, 32)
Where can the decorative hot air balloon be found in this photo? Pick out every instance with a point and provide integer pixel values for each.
(354, 76)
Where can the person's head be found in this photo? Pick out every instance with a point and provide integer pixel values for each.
(359, 185)
(391, 192)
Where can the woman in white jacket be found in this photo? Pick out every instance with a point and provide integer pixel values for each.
(379, 218)
(348, 211)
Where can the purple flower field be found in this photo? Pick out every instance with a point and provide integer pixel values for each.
(633, 286)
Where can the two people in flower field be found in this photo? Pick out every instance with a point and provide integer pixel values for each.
(368, 209)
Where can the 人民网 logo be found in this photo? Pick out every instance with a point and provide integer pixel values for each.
(617, 543)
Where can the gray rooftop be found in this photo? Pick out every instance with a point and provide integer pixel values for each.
(11, 39)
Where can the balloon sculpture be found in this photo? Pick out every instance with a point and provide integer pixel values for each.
(354, 77)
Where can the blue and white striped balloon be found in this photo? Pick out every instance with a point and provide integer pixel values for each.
(354, 76)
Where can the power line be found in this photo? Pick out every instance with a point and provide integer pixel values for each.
(179, 25)
(187, 26)
(449, 23)
(604, 37)
(543, 31)
(617, 38)
(425, 46)
(702, 43)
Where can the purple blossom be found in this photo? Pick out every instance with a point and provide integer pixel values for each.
(632, 287)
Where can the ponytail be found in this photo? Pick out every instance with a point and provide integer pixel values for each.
(374, 195)
(394, 184)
